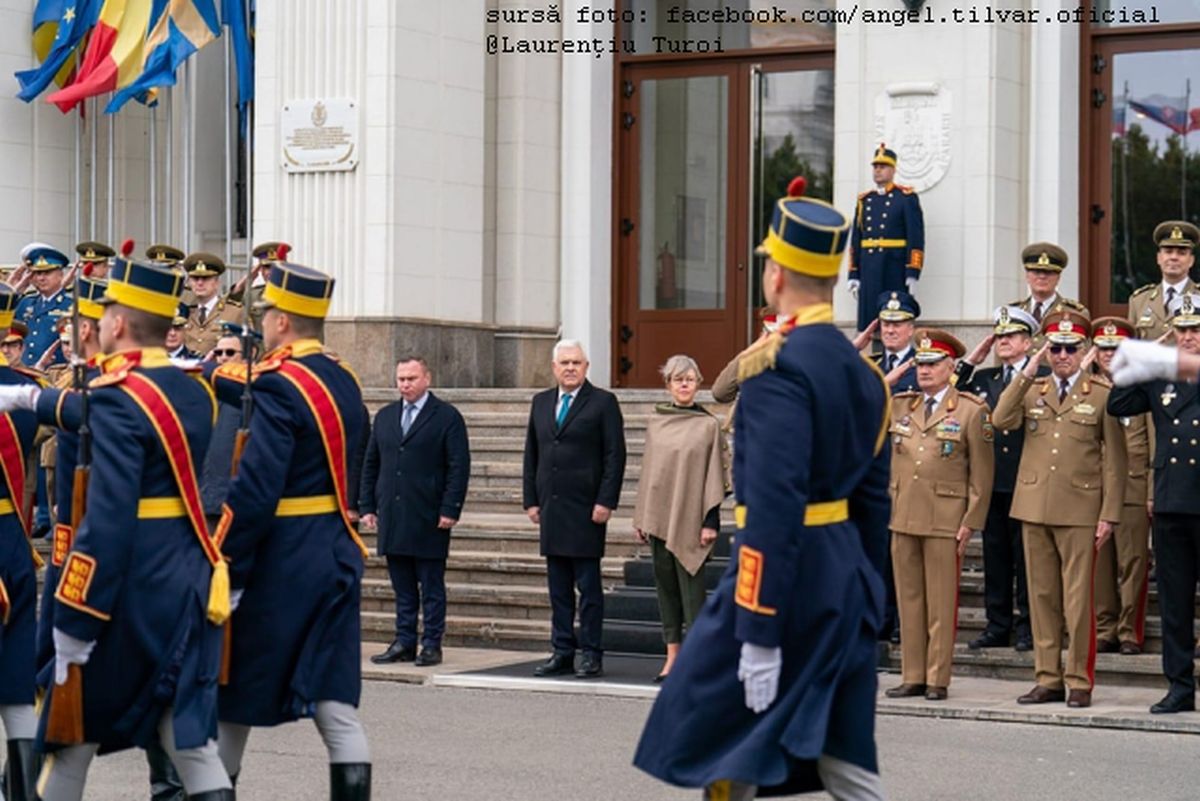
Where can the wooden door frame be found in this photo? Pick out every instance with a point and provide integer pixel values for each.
(1095, 132)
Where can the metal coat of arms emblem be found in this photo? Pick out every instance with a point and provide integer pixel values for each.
(914, 119)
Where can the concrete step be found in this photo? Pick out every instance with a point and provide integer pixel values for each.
(510, 475)
(499, 568)
(512, 532)
(517, 401)
(468, 632)
(492, 601)
(508, 499)
(973, 620)
(510, 447)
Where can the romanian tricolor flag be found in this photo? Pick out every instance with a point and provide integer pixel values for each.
(58, 28)
(114, 55)
(187, 26)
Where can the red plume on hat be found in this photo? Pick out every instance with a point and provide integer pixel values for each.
(127, 247)
(283, 251)
(797, 186)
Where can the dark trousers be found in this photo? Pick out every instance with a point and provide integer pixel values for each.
(419, 584)
(1004, 566)
(891, 613)
(563, 575)
(680, 594)
(1177, 566)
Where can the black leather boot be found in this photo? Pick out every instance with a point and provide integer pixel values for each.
(164, 780)
(214, 795)
(21, 772)
(350, 781)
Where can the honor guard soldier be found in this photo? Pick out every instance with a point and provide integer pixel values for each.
(1003, 553)
(774, 689)
(1123, 564)
(942, 466)
(1174, 408)
(1148, 306)
(296, 559)
(94, 259)
(887, 251)
(38, 309)
(1070, 488)
(268, 254)
(18, 583)
(209, 311)
(144, 572)
(1044, 263)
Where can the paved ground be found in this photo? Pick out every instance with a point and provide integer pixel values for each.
(470, 745)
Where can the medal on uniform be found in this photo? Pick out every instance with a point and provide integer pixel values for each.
(1168, 395)
(905, 420)
(1040, 402)
(1085, 408)
(1125, 421)
(947, 449)
(1033, 425)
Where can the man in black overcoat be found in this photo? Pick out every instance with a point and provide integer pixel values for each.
(574, 466)
(414, 482)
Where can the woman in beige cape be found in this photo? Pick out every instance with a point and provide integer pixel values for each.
(684, 479)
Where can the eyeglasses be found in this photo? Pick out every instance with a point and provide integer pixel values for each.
(226, 352)
(1070, 349)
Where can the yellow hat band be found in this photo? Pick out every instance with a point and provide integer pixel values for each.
(818, 265)
(888, 160)
(90, 309)
(6, 319)
(303, 305)
(136, 297)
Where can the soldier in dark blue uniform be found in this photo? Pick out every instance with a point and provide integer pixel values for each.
(774, 690)
(143, 585)
(18, 583)
(296, 559)
(41, 308)
(897, 312)
(1003, 553)
(1174, 407)
(887, 251)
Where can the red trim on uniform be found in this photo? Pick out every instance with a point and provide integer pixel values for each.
(1091, 660)
(64, 538)
(154, 403)
(12, 462)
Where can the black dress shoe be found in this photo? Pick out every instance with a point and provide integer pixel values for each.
(1024, 644)
(1043, 695)
(350, 781)
(556, 665)
(1108, 646)
(905, 691)
(989, 639)
(395, 653)
(936, 694)
(1175, 702)
(589, 668)
(1130, 648)
(428, 657)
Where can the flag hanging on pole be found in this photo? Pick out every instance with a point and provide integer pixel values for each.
(187, 26)
(1168, 111)
(233, 15)
(113, 58)
(59, 26)
(1118, 119)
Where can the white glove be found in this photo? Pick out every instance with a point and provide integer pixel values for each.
(235, 598)
(911, 283)
(69, 651)
(18, 397)
(852, 285)
(1137, 362)
(759, 670)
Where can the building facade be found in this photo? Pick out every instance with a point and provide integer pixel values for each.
(511, 172)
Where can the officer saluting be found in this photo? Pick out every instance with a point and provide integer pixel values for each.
(41, 308)
(142, 572)
(95, 257)
(791, 626)
(888, 247)
(296, 559)
(1174, 407)
(1044, 264)
(1149, 306)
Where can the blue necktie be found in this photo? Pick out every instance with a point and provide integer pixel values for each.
(564, 405)
(406, 422)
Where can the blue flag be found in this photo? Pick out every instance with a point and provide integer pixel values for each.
(233, 14)
(58, 28)
(187, 26)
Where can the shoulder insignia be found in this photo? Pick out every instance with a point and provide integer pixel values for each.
(759, 357)
(1142, 289)
(237, 304)
(906, 394)
(970, 396)
(908, 190)
(863, 195)
(108, 379)
(1074, 304)
(29, 372)
(1101, 381)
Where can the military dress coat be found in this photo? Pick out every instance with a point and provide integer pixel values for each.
(138, 584)
(1148, 309)
(201, 337)
(988, 383)
(18, 575)
(887, 245)
(39, 313)
(811, 430)
(296, 632)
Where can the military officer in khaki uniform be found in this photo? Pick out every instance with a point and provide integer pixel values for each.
(210, 310)
(942, 467)
(1148, 306)
(1044, 263)
(249, 289)
(1123, 563)
(1070, 488)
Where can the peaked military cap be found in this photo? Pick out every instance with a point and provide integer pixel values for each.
(934, 344)
(30, 248)
(94, 252)
(1044, 256)
(152, 288)
(164, 254)
(1064, 326)
(807, 235)
(91, 293)
(271, 251)
(1185, 311)
(296, 289)
(8, 305)
(1013, 320)
(897, 306)
(17, 331)
(44, 259)
(1176, 234)
(884, 155)
(1107, 332)
(203, 265)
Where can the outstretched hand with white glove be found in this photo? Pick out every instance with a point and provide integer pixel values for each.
(69, 651)
(758, 671)
(852, 285)
(1137, 362)
(19, 397)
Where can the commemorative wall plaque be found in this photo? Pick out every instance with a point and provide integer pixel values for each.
(320, 135)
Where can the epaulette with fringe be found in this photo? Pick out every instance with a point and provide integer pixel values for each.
(759, 357)
(1142, 289)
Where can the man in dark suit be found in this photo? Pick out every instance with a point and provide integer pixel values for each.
(414, 482)
(574, 466)
(1003, 554)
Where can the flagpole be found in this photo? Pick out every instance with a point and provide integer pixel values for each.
(112, 173)
(249, 183)
(186, 210)
(1125, 194)
(228, 208)
(77, 228)
(91, 169)
(153, 172)
(169, 169)
(1187, 97)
